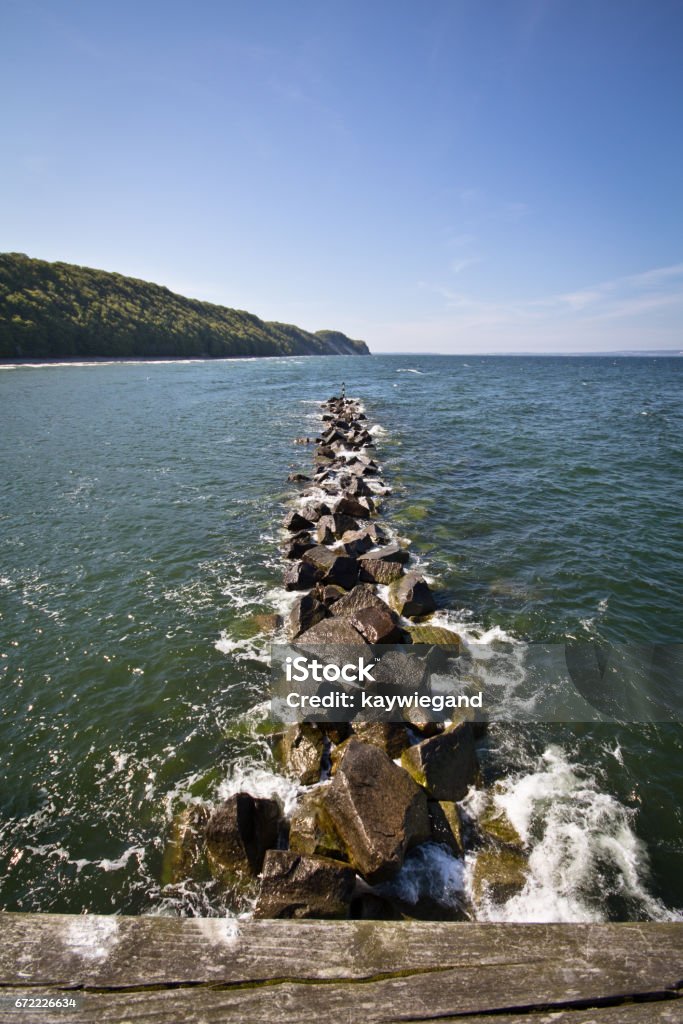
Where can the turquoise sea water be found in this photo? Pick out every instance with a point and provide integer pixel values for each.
(139, 517)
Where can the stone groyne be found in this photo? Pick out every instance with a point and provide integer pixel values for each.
(377, 797)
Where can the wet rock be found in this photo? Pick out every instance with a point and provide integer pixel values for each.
(434, 635)
(401, 673)
(296, 521)
(377, 810)
(306, 612)
(447, 827)
(267, 622)
(423, 726)
(498, 874)
(329, 594)
(331, 631)
(298, 478)
(301, 576)
(377, 626)
(300, 752)
(412, 597)
(362, 596)
(332, 527)
(335, 568)
(358, 542)
(294, 885)
(358, 488)
(391, 737)
(312, 511)
(332, 435)
(495, 824)
(446, 765)
(337, 732)
(238, 834)
(311, 831)
(185, 850)
(299, 544)
(380, 572)
(355, 507)
(389, 553)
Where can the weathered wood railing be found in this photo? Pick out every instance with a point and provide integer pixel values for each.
(216, 969)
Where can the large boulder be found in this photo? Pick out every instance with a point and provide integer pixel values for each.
(401, 673)
(498, 874)
(377, 810)
(186, 846)
(357, 508)
(412, 597)
(300, 751)
(331, 631)
(376, 625)
(238, 834)
(301, 576)
(389, 553)
(434, 635)
(296, 521)
(313, 510)
(331, 527)
(495, 825)
(306, 612)
(335, 568)
(294, 885)
(311, 831)
(298, 544)
(329, 593)
(377, 571)
(358, 542)
(391, 737)
(446, 765)
(362, 596)
(358, 488)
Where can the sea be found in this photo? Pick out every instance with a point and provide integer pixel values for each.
(140, 514)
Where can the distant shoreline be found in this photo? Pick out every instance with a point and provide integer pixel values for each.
(109, 360)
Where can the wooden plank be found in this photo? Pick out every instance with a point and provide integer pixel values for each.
(156, 968)
(275, 1006)
(222, 1007)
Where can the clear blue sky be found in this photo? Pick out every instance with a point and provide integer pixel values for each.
(446, 175)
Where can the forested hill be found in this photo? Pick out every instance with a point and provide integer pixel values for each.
(58, 310)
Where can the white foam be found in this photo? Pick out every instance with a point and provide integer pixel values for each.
(247, 776)
(582, 847)
(429, 872)
(249, 649)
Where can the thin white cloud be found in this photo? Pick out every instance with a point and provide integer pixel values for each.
(607, 315)
(457, 266)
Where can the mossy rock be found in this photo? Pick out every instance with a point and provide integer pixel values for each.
(267, 622)
(433, 635)
(299, 750)
(185, 853)
(499, 874)
(311, 831)
(495, 824)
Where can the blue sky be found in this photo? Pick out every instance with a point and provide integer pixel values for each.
(430, 176)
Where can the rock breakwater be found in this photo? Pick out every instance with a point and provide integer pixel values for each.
(377, 796)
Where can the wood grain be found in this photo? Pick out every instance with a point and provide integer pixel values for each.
(171, 969)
